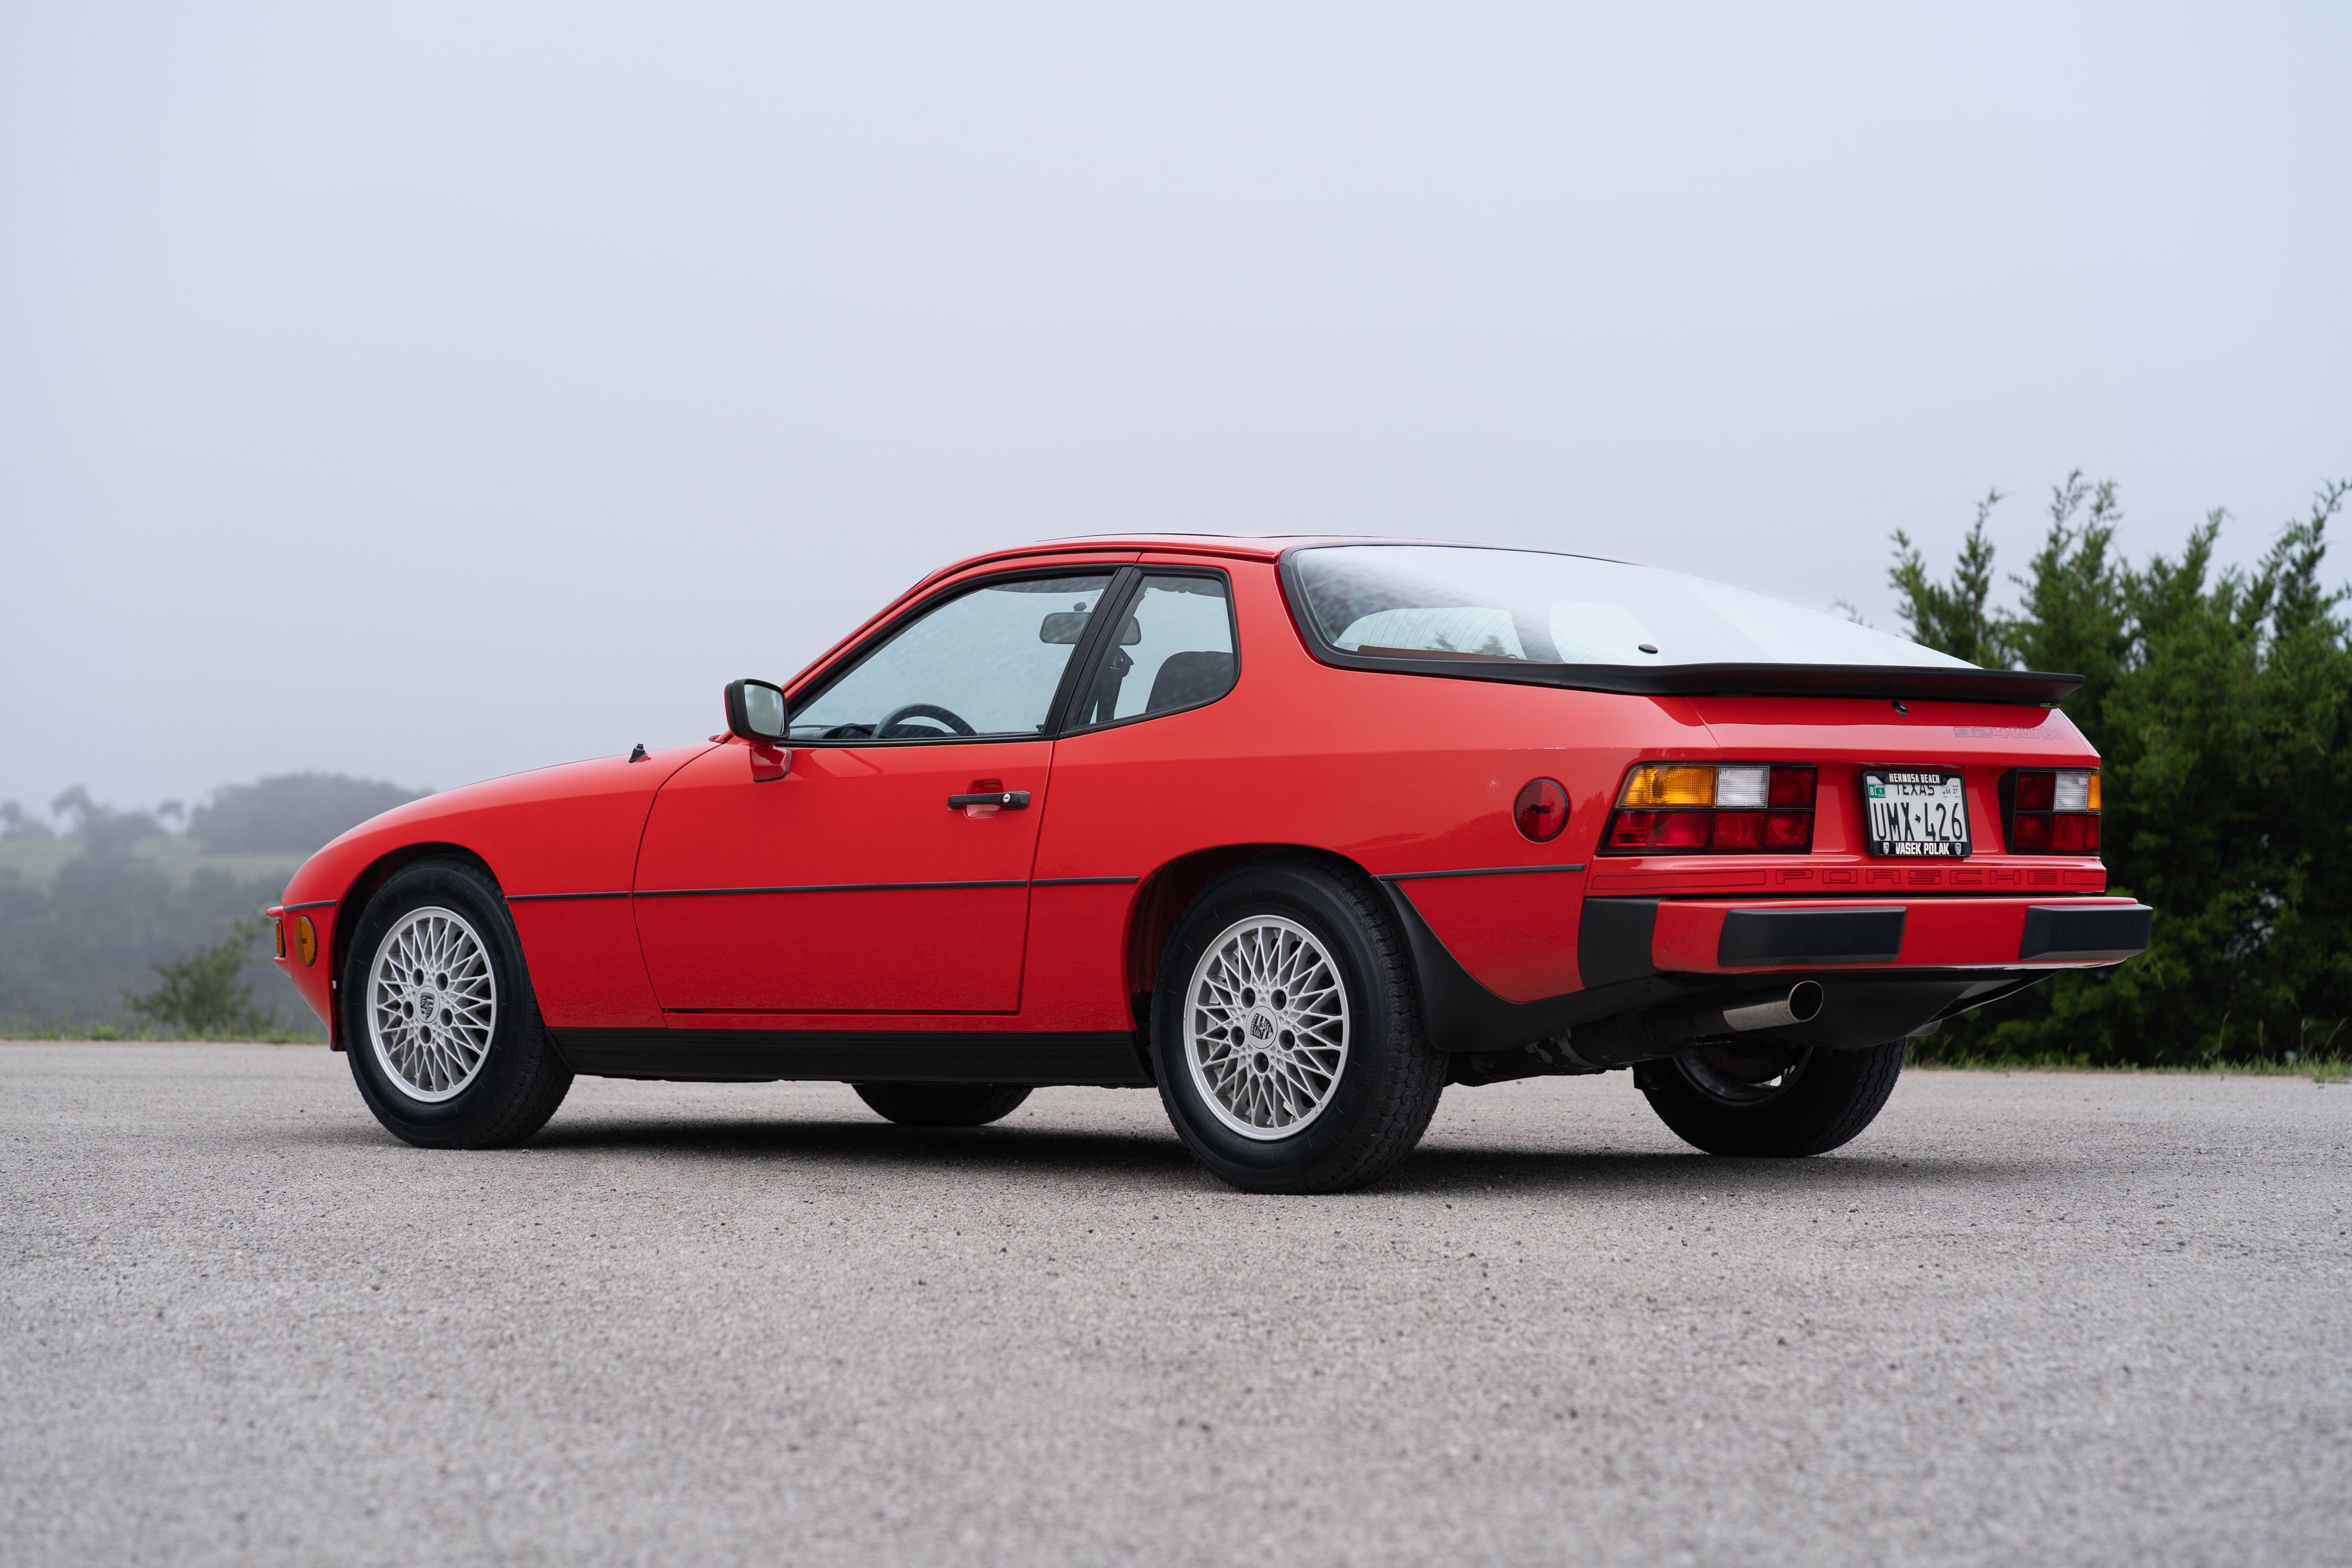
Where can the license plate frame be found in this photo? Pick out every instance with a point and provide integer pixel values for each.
(1927, 824)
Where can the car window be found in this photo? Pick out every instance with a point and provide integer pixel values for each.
(1175, 650)
(1436, 601)
(986, 663)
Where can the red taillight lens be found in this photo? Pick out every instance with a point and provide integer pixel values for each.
(1679, 830)
(1740, 829)
(1689, 806)
(2074, 835)
(2052, 811)
(1541, 810)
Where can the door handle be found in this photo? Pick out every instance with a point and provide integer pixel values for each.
(1011, 800)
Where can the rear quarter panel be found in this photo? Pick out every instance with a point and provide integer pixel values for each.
(1405, 775)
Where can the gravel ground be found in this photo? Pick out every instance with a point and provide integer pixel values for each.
(2049, 1317)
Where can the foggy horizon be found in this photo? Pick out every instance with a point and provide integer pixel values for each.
(431, 395)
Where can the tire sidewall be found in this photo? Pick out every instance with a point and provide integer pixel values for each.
(451, 1121)
(1303, 893)
(1834, 1098)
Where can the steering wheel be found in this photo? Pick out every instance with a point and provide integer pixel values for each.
(931, 711)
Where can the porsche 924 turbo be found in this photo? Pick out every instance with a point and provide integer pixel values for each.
(1298, 832)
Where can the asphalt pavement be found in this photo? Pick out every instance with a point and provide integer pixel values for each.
(2038, 1317)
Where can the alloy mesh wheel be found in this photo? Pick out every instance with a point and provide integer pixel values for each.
(432, 1004)
(1265, 1027)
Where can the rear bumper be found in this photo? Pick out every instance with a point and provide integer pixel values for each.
(1890, 966)
(1622, 939)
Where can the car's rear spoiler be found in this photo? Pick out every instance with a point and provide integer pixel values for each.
(1928, 682)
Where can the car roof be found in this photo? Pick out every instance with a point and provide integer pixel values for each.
(1240, 546)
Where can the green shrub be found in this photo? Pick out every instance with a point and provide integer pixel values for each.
(2220, 702)
(204, 994)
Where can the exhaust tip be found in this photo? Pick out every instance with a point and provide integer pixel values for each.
(1805, 999)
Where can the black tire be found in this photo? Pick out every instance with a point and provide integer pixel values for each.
(1388, 1082)
(942, 1104)
(1831, 1097)
(522, 1079)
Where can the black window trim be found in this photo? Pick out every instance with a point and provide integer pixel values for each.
(1127, 595)
(1925, 682)
(1116, 572)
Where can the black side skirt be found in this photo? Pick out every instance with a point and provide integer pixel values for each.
(1112, 1059)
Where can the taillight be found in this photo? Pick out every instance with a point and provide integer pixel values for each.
(2050, 810)
(1685, 808)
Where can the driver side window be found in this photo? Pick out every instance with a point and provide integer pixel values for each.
(985, 664)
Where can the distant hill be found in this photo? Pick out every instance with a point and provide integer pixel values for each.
(93, 899)
(293, 813)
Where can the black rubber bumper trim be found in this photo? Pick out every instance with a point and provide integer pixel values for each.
(1753, 938)
(1613, 940)
(2072, 931)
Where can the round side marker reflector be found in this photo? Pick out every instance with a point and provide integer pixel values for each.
(305, 940)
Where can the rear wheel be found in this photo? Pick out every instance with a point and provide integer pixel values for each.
(439, 1022)
(942, 1104)
(1771, 1099)
(1286, 1034)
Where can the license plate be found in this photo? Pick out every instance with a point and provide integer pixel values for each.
(1916, 811)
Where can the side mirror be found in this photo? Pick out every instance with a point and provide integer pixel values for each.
(755, 711)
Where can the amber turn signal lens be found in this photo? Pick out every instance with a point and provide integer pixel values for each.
(278, 935)
(305, 940)
(1669, 785)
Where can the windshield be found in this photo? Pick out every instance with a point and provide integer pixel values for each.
(1442, 601)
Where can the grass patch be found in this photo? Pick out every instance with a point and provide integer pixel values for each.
(106, 1032)
(2327, 1069)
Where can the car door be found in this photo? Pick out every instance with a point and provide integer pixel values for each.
(859, 881)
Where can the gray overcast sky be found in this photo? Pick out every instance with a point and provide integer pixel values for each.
(429, 392)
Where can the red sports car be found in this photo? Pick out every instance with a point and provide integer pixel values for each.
(1298, 831)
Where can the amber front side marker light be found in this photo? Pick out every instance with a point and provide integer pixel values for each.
(305, 940)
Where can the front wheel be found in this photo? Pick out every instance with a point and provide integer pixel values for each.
(1769, 1102)
(1286, 1033)
(442, 1032)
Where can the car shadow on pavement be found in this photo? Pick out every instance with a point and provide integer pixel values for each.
(1454, 1170)
(1012, 1150)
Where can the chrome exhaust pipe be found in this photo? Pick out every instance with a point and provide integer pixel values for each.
(1666, 1028)
(1801, 1005)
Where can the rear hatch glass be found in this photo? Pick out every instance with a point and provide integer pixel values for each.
(1459, 602)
